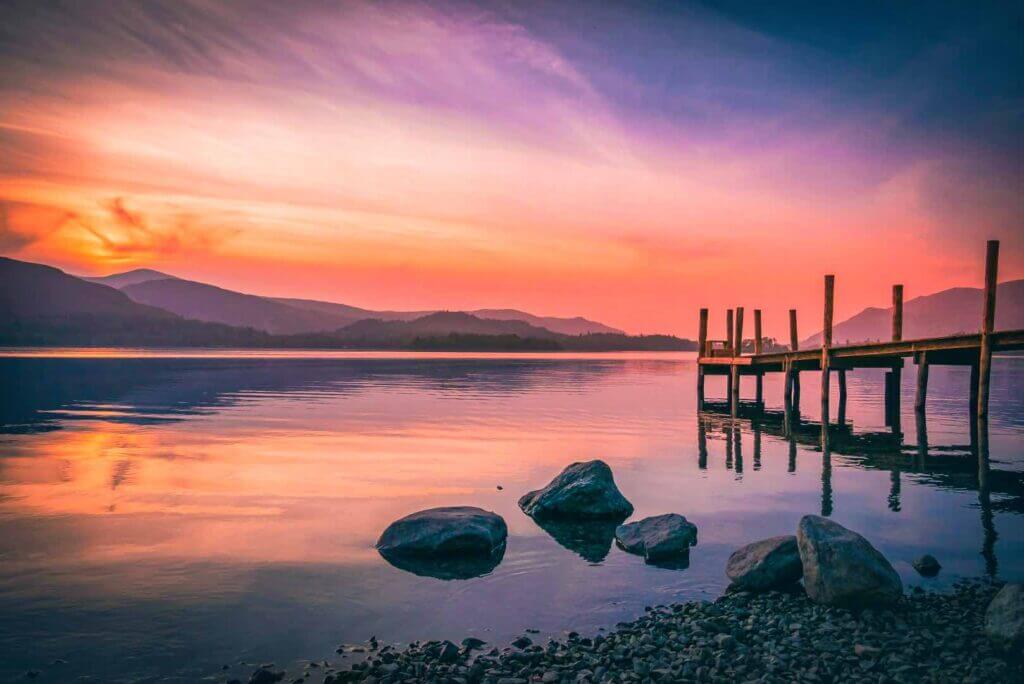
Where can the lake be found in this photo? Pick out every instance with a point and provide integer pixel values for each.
(164, 515)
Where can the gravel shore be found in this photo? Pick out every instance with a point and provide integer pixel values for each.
(741, 637)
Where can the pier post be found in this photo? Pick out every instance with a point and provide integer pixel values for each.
(734, 400)
(922, 382)
(728, 347)
(758, 348)
(794, 345)
(988, 320)
(892, 398)
(787, 397)
(702, 341)
(826, 343)
(841, 418)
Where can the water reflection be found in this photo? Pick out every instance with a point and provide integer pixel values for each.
(589, 539)
(457, 567)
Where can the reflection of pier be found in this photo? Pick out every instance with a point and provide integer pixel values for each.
(956, 467)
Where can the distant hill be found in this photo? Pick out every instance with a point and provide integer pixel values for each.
(42, 305)
(203, 302)
(139, 275)
(567, 326)
(36, 291)
(439, 324)
(953, 311)
(352, 313)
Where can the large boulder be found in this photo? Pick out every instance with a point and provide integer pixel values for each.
(445, 532)
(841, 568)
(1004, 619)
(582, 490)
(657, 538)
(767, 564)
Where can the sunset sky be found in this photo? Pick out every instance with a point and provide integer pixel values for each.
(627, 163)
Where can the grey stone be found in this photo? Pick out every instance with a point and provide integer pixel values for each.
(927, 565)
(1004, 619)
(767, 564)
(658, 537)
(585, 489)
(445, 531)
(841, 568)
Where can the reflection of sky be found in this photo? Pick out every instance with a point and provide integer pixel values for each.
(260, 497)
(440, 155)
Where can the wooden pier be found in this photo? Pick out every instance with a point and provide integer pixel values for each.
(718, 357)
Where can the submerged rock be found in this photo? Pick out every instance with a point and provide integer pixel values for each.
(767, 564)
(265, 675)
(1004, 619)
(657, 538)
(841, 568)
(582, 490)
(927, 565)
(449, 543)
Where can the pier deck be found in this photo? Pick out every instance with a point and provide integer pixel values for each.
(726, 357)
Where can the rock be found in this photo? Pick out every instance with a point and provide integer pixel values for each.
(658, 537)
(522, 642)
(862, 651)
(927, 565)
(841, 568)
(457, 530)
(473, 643)
(1004, 619)
(766, 564)
(582, 490)
(591, 539)
(265, 676)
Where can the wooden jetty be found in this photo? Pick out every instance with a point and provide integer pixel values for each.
(725, 357)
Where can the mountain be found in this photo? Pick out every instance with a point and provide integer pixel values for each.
(139, 275)
(566, 326)
(35, 291)
(42, 305)
(953, 311)
(203, 302)
(353, 313)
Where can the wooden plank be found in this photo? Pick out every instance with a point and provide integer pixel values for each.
(728, 334)
(702, 334)
(738, 337)
(794, 341)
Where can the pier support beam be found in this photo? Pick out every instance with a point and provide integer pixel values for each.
(728, 346)
(794, 345)
(893, 405)
(826, 344)
(922, 383)
(841, 418)
(734, 399)
(988, 321)
(702, 341)
(759, 388)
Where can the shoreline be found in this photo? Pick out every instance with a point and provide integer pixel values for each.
(741, 636)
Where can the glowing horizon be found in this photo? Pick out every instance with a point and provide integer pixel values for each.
(626, 165)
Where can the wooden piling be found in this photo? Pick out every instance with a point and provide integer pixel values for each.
(841, 418)
(734, 401)
(988, 320)
(729, 347)
(826, 344)
(702, 341)
(892, 406)
(897, 313)
(794, 345)
(758, 348)
(922, 382)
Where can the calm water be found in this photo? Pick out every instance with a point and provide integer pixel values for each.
(166, 516)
